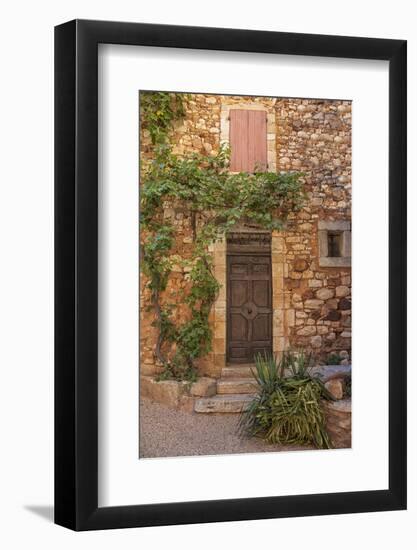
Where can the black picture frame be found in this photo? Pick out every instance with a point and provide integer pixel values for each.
(76, 272)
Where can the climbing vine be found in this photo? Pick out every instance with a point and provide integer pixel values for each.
(213, 200)
(159, 111)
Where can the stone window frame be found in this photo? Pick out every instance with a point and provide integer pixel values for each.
(342, 226)
(271, 155)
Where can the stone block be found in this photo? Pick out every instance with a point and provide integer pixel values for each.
(316, 341)
(219, 359)
(306, 331)
(324, 293)
(220, 313)
(186, 403)
(313, 304)
(278, 300)
(148, 369)
(339, 422)
(219, 345)
(219, 259)
(204, 387)
(333, 316)
(278, 344)
(342, 291)
(290, 317)
(345, 304)
(308, 294)
(167, 392)
(223, 403)
(277, 244)
(335, 388)
(219, 329)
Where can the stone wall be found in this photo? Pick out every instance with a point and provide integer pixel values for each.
(312, 303)
(314, 137)
(199, 131)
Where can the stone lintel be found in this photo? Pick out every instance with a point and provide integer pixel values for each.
(334, 225)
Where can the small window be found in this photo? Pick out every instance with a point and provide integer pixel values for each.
(334, 244)
(334, 239)
(248, 140)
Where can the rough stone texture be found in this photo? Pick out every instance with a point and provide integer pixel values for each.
(325, 294)
(316, 341)
(236, 385)
(339, 422)
(168, 392)
(312, 303)
(328, 372)
(238, 371)
(204, 387)
(335, 388)
(186, 403)
(223, 403)
(315, 138)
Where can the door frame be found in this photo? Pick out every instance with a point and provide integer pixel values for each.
(282, 310)
(253, 252)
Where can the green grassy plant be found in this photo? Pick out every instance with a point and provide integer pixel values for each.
(288, 407)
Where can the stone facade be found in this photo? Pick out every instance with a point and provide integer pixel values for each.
(311, 292)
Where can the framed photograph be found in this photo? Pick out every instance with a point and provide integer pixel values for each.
(230, 254)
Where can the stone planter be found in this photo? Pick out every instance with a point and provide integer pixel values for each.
(339, 422)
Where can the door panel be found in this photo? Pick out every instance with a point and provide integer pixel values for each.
(260, 291)
(261, 328)
(238, 328)
(249, 307)
(238, 293)
(239, 269)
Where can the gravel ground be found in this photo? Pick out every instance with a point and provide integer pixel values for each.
(167, 432)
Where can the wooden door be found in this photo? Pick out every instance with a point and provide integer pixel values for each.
(249, 307)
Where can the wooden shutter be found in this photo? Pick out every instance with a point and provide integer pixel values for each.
(248, 140)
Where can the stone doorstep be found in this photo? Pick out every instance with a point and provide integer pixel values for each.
(223, 403)
(238, 371)
(236, 385)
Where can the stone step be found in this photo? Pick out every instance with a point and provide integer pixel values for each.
(238, 371)
(223, 403)
(236, 385)
(324, 372)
